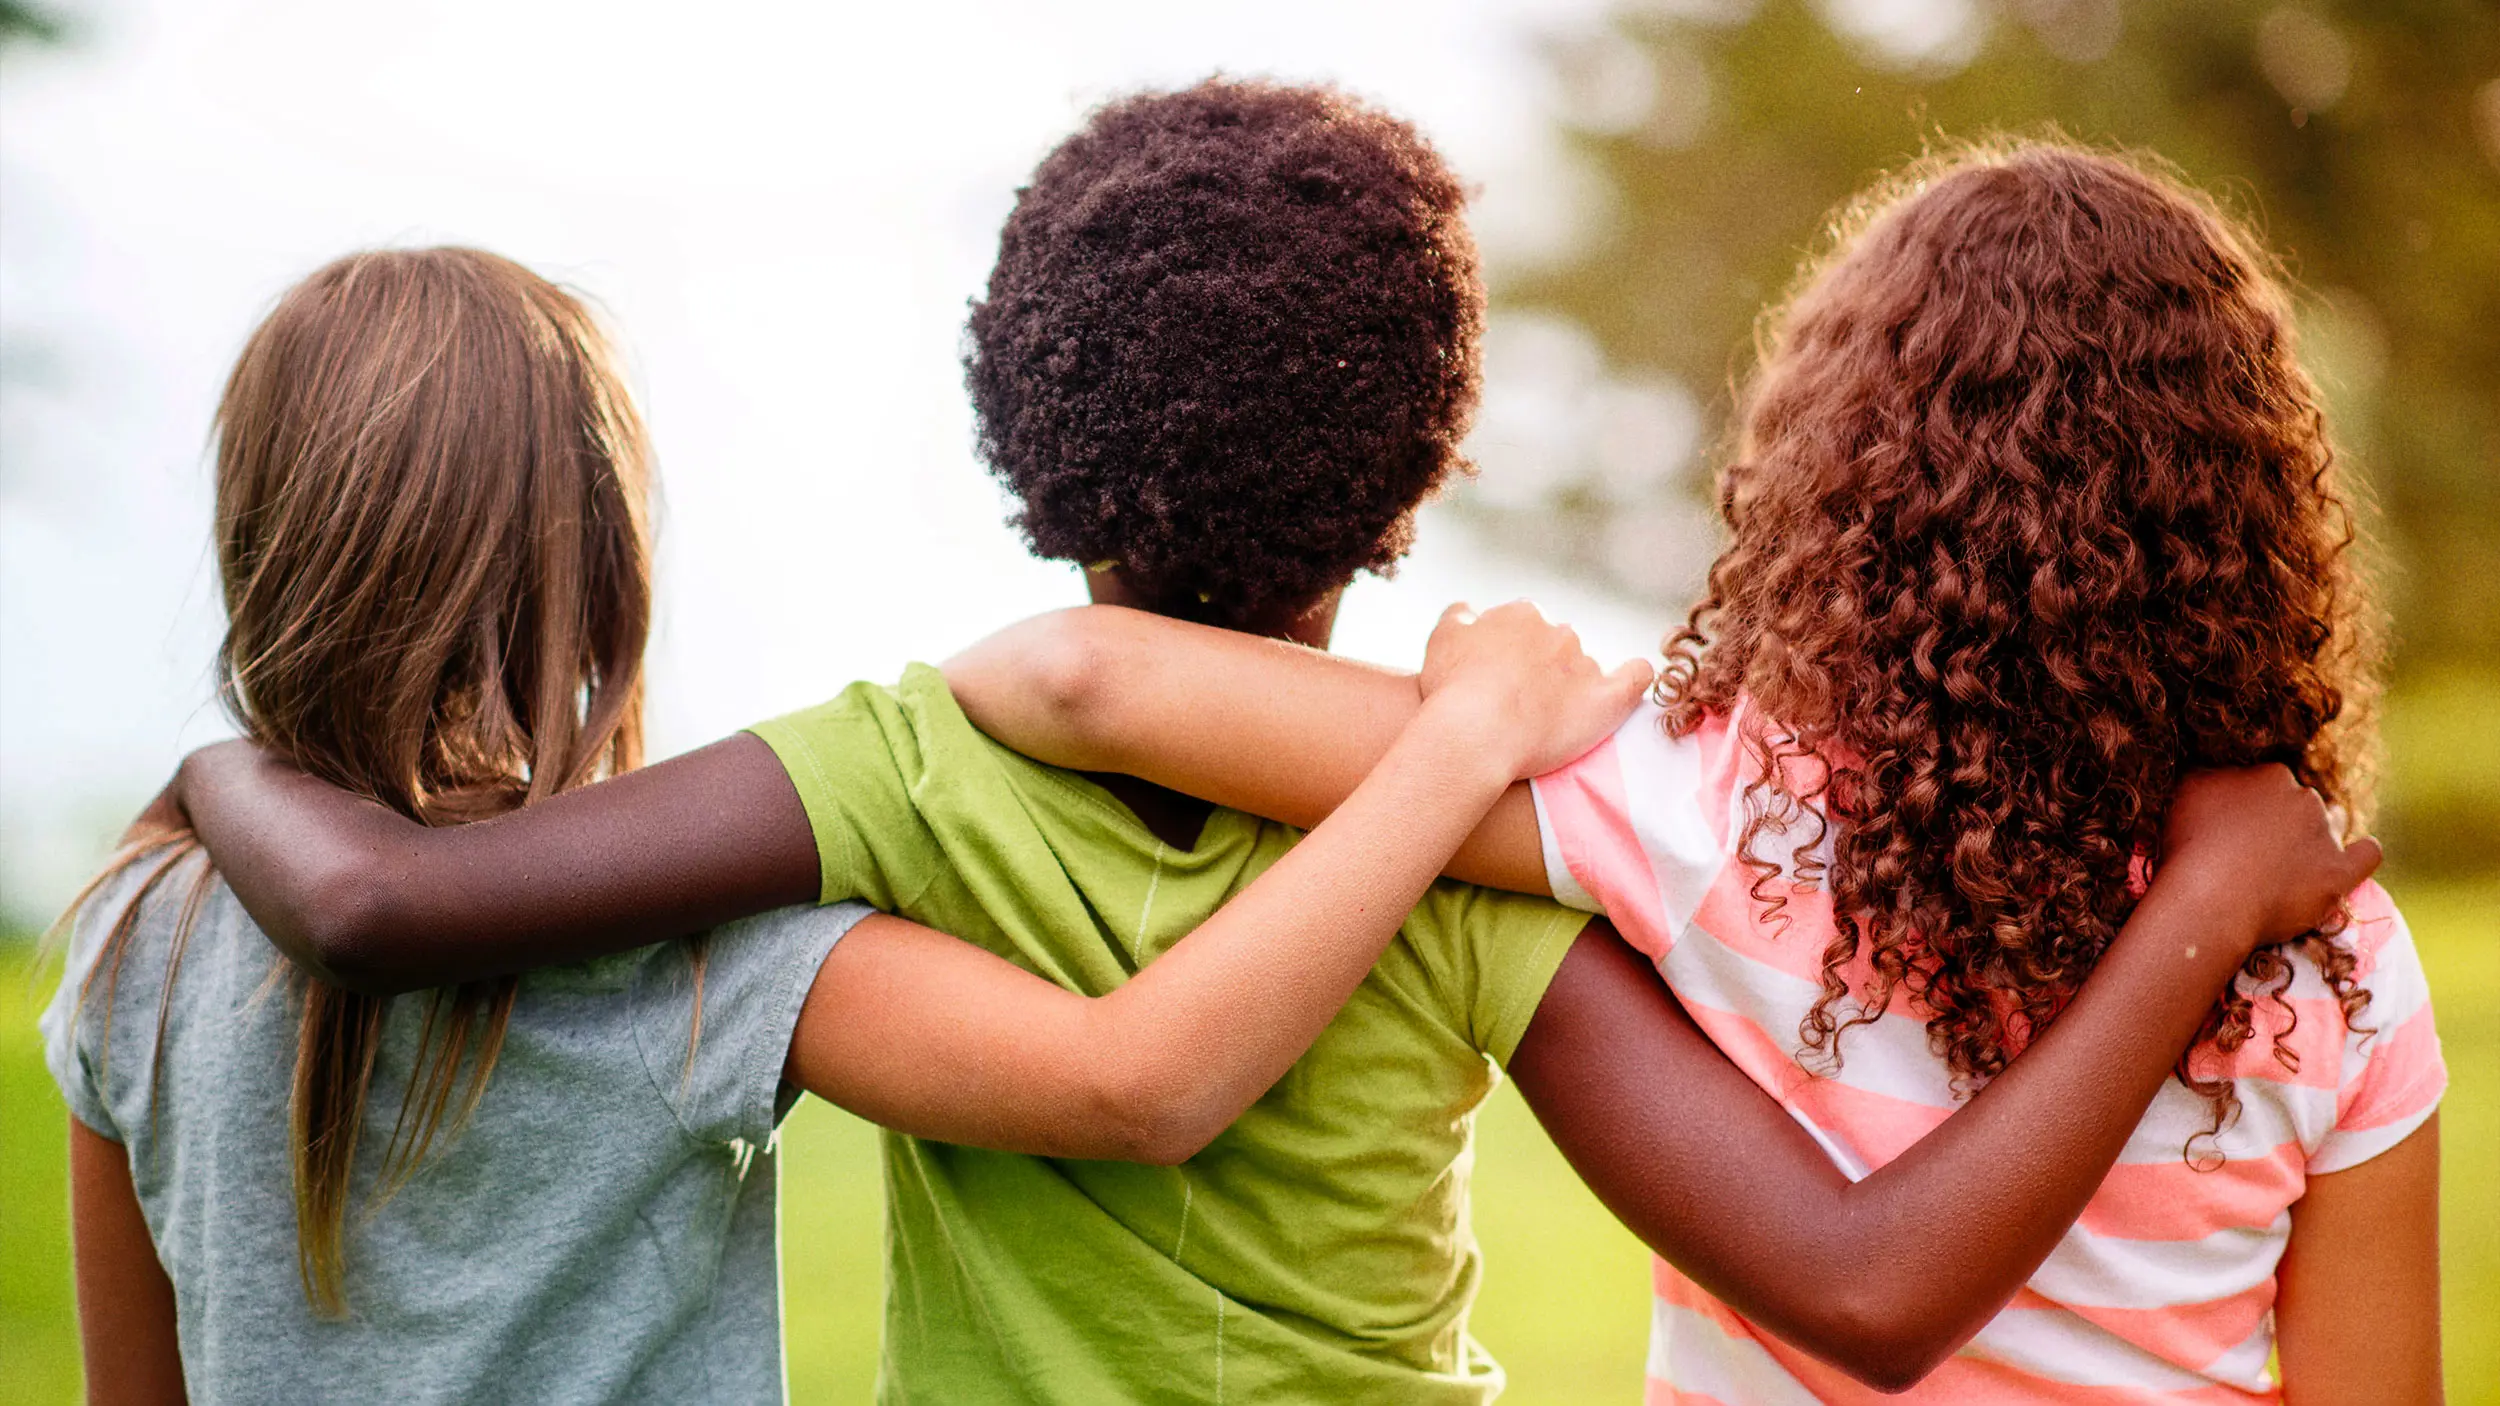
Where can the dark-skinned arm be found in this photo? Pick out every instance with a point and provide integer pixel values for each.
(370, 900)
(1886, 1277)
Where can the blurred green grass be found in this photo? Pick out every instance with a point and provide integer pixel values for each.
(1565, 1302)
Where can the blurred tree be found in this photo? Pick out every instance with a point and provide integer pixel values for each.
(20, 22)
(2363, 137)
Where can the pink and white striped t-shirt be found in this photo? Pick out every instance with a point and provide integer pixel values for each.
(2164, 1290)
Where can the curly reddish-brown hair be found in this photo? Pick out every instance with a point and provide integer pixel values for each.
(1229, 344)
(2033, 512)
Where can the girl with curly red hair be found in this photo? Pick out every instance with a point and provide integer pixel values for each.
(2033, 513)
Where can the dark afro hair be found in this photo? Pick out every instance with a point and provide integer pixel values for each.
(1230, 343)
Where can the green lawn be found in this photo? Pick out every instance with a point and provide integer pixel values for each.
(1565, 1302)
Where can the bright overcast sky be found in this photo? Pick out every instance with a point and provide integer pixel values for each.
(784, 208)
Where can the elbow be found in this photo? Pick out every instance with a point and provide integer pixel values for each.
(1882, 1341)
(1165, 1147)
(1159, 1123)
(1042, 686)
(340, 933)
(1894, 1372)
(1063, 666)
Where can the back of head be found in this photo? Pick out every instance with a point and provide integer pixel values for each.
(1230, 343)
(432, 534)
(2033, 512)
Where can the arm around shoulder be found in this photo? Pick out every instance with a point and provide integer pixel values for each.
(1055, 686)
(379, 903)
(312, 864)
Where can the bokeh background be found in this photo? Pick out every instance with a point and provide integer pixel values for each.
(785, 208)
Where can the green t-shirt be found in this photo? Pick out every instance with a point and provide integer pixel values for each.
(1318, 1250)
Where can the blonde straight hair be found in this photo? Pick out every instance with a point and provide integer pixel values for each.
(433, 536)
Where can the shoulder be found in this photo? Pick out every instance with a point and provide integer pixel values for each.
(125, 925)
(1646, 776)
(1645, 810)
(2389, 1073)
(2376, 961)
(1491, 955)
(818, 740)
(872, 744)
(2387, 966)
(124, 937)
(713, 1016)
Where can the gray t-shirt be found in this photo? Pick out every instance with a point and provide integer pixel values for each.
(603, 1229)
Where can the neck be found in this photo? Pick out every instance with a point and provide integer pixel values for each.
(1312, 625)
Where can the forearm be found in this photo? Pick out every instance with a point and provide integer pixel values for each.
(1978, 1203)
(1885, 1277)
(1211, 1025)
(374, 901)
(1259, 725)
(1156, 1067)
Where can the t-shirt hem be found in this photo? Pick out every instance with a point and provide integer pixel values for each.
(63, 1058)
(772, 1056)
(2349, 1148)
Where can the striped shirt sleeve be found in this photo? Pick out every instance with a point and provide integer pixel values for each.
(1584, 820)
(2393, 1073)
(1629, 831)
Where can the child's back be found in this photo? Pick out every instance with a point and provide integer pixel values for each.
(2033, 514)
(1319, 1249)
(601, 1229)
(2164, 1289)
(432, 542)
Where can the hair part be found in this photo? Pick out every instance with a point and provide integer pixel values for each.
(434, 543)
(1229, 344)
(2032, 513)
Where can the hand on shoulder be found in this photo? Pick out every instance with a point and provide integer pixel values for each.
(1522, 685)
(2262, 845)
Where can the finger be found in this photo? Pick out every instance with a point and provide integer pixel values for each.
(2364, 855)
(1632, 678)
(1457, 613)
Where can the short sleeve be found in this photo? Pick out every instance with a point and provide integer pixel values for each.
(1495, 953)
(721, 1071)
(71, 1058)
(1633, 829)
(853, 761)
(2394, 1074)
(75, 1023)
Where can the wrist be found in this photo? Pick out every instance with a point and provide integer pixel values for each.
(2199, 917)
(1468, 736)
(2225, 893)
